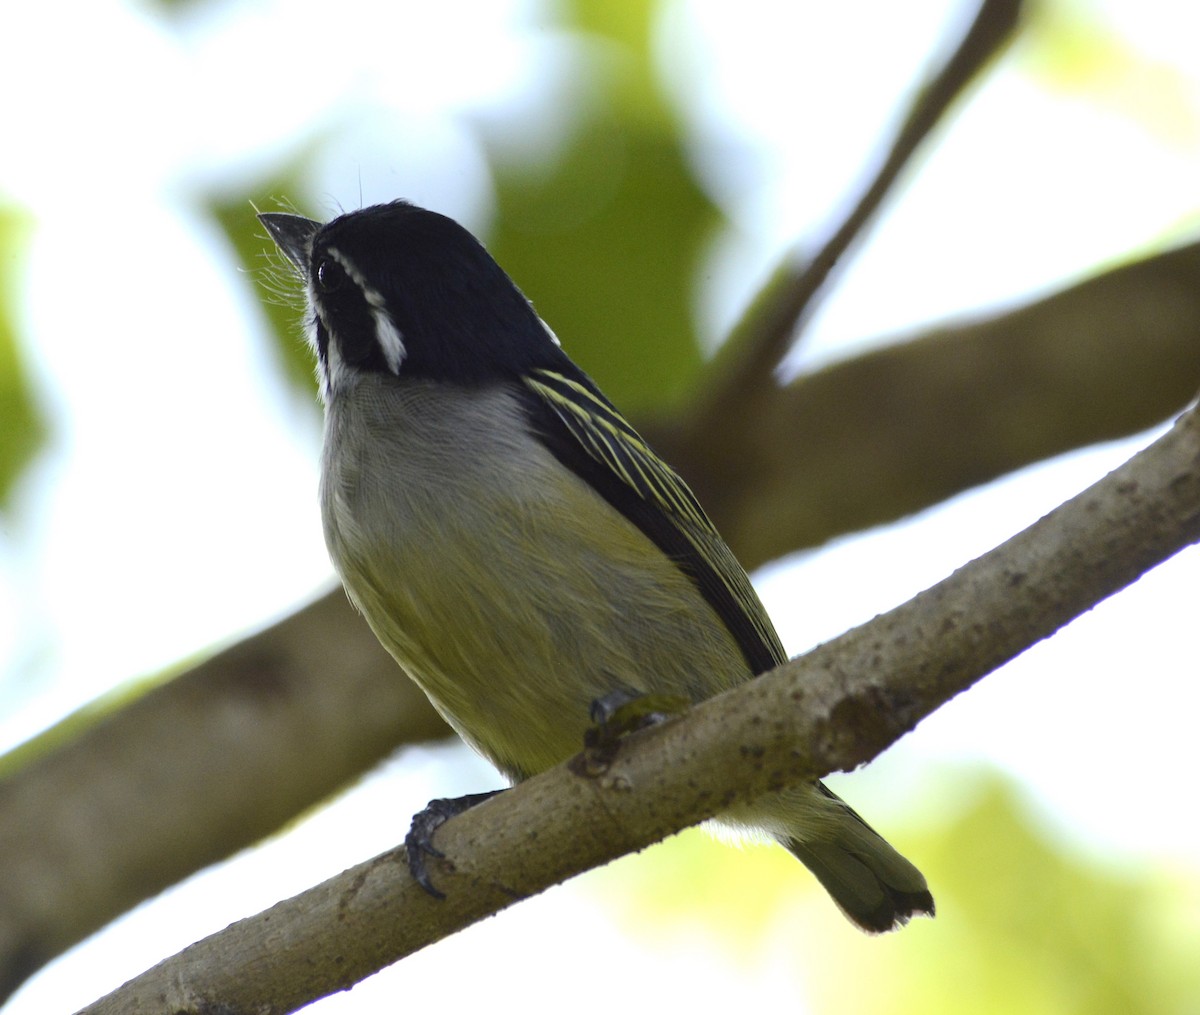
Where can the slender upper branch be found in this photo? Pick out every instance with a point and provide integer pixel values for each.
(762, 337)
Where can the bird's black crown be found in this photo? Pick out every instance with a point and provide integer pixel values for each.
(459, 317)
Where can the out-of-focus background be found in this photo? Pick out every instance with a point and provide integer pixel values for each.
(159, 451)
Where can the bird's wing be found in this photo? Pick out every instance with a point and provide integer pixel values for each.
(588, 435)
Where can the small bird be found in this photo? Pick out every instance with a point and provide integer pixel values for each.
(514, 543)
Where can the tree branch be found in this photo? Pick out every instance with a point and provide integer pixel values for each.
(892, 431)
(758, 342)
(833, 709)
(192, 771)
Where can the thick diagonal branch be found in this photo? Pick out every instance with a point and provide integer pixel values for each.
(870, 439)
(219, 757)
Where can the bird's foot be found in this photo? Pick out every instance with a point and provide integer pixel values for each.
(618, 714)
(418, 844)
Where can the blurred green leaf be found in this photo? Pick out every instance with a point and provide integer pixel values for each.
(1036, 927)
(608, 241)
(736, 892)
(635, 93)
(172, 10)
(20, 421)
(1024, 923)
(1071, 49)
(276, 289)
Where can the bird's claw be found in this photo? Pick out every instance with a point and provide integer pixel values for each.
(418, 843)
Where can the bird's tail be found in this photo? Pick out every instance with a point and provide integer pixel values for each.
(871, 883)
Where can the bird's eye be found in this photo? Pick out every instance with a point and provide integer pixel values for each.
(329, 276)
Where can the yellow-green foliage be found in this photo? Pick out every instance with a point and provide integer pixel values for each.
(1026, 923)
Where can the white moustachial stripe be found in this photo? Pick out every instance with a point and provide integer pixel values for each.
(391, 342)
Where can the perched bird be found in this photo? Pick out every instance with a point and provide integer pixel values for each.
(513, 543)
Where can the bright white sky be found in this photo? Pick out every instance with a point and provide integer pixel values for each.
(176, 506)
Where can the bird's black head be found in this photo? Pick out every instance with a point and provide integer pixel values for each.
(396, 289)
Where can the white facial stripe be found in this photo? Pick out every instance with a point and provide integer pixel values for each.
(390, 339)
(391, 342)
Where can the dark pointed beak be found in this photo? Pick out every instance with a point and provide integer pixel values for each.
(293, 235)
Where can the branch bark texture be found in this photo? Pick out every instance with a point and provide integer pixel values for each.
(901, 428)
(834, 709)
(159, 789)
